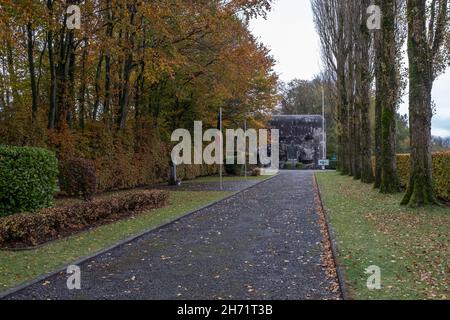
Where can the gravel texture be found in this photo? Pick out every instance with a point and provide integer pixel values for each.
(263, 243)
(231, 186)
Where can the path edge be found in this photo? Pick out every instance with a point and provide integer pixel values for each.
(25, 285)
(334, 246)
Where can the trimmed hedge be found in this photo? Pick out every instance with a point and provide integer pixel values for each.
(24, 230)
(79, 178)
(403, 167)
(441, 172)
(28, 179)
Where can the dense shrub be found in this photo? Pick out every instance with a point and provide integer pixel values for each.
(403, 166)
(28, 179)
(233, 169)
(122, 161)
(299, 166)
(33, 229)
(441, 172)
(78, 177)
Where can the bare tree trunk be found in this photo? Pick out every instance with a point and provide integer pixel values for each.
(3, 89)
(52, 67)
(97, 87)
(378, 112)
(128, 68)
(63, 76)
(139, 90)
(125, 93)
(34, 91)
(108, 95)
(82, 94)
(12, 74)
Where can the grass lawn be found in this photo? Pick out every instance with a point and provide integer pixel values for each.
(411, 246)
(18, 267)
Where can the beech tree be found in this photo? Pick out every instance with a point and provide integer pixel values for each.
(133, 64)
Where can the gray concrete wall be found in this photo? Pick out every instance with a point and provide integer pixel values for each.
(300, 138)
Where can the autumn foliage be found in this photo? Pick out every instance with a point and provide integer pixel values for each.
(32, 229)
(78, 177)
(114, 90)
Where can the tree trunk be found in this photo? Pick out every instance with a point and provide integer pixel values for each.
(108, 95)
(357, 159)
(127, 69)
(63, 76)
(52, 67)
(420, 189)
(343, 150)
(139, 90)
(34, 92)
(12, 75)
(97, 87)
(125, 93)
(82, 93)
(389, 177)
(378, 112)
(364, 101)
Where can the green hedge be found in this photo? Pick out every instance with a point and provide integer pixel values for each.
(28, 179)
(441, 172)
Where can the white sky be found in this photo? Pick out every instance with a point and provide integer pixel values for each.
(289, 32)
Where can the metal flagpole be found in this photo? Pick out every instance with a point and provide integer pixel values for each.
(324, 155)
(221, 150)
(245, 150)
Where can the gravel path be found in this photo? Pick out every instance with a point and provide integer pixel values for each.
(231, 186)
(263, 243)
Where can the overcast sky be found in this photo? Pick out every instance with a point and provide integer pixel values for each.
(289, 32)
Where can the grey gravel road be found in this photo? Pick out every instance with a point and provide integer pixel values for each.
(263, 243)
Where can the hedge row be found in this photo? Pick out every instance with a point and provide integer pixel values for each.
(122, 161)
(441, 172)
(24, 230)
(28, 179)
(78, 178)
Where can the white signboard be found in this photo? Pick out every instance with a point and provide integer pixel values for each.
(324, 163)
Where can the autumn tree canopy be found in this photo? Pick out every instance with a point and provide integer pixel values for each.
(132, 62)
